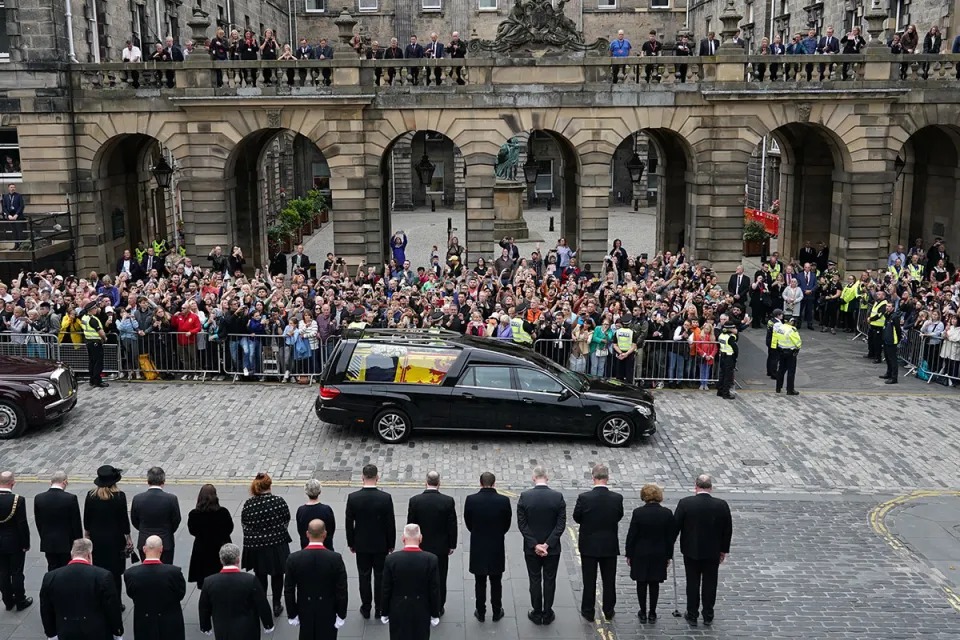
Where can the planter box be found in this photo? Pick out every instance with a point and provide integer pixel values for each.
(752, 248)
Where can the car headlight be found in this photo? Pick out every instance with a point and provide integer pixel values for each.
(40, 388)
(643, 410)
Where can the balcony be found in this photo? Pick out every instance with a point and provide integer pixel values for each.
(354, 78)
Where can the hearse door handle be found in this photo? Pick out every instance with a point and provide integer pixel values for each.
(527, 400)
(468, 396)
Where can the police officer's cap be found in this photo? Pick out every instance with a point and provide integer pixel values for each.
(91, 305)
(730, 325)
(626, 318)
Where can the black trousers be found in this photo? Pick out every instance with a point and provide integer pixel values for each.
(542, 573)
(496, 591)
(95, 361)
(787, 368)
(875, 342)
(276, 581)
(57, 560)
(773, 361)
(654, 588)
(368, 563)
(166, 557)
(725, 379)
(705, 573)
(11, 577)
(608, 573)
(443, 564)
(893, 362)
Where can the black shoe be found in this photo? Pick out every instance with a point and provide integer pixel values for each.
(691, 619)
(479, 615)
(707, 622)
(642, 616)
(498, 615)
(878, 362)
(793, 393)
(535, 617)
(609, 614)
(891, 381)
(548, 617)
(884, 377)
(365, 613)
(277, 610)
(587, 616)
(779, 390)
(652, 617)
(101, 385)
(24, 604)
(868, 356)
(728, 397)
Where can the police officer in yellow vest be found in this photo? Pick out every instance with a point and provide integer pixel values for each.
(727, 360)
(850, 304)
(624, 350)
(915, 269)
(876, 320)
(786, 340)
(773, 356)
(521, 330)
(892, 334)
(94, 336)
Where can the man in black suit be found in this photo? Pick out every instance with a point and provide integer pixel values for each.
(828, 45)
(128, 265)
(57, 514)
(437, 516)
(709, 45)
(13, 213)
(232, 603)
(541, 518)
(435, 51)
(316, 587)
(705, 528)
(299, 260)
(739, 285)
(14, 544)
(599, 512)
(413, 51)
(370, 535)
(823, 257)
(411, 589)
(487, 516)
(156, 590)
(80, 600)
(806, 254)
(156, 513)
(150, 262)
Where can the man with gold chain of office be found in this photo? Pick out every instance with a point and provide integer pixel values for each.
(786, 341)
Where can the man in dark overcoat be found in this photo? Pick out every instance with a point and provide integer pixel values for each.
(233, 604)
(157, 589)
(598, 512)
(315, 587)
(487, 515)
(80, 601)
(411, 589)
(436, 514)
(57, 514)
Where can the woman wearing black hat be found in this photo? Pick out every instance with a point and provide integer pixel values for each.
(266, 541)
(106, 524)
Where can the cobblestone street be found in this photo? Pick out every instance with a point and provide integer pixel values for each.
(806, 477)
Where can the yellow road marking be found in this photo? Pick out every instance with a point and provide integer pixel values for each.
(603, 629)
(877, 520)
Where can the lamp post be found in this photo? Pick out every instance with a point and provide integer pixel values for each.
(530, 171)
(163, 174)
(425, 170)
(636, 166)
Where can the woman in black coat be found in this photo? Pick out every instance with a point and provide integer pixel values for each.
(650, 548)
(266, 541)
(107, 525)
(315, 510)
(211, 526)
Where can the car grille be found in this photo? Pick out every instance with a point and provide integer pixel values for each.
(65, 382)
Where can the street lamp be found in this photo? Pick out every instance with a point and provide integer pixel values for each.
(530, 171)
(163, 173)
(636, 166)
(425, 170)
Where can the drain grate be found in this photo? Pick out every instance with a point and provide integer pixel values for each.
(750, 462)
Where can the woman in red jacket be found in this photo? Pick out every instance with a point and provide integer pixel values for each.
(703, 345)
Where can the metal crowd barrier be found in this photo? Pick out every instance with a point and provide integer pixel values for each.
(170, 354)
(863, 327)
(266, 357)
(46, 347)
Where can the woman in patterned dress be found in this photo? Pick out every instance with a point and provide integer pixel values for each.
(266, 541)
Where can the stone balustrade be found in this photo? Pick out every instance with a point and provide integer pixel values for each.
(351, 75)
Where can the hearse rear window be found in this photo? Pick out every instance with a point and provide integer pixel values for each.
(409, 364)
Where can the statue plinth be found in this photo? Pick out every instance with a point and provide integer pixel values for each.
(508, 205)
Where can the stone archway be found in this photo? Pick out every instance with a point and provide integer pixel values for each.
(557, 184)
(813, 183)
(132, 210)
(927, 190)
(266, 169)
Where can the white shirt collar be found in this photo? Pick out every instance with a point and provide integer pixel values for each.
(57, 486)
(231, 566)
(154, 487)
(540, 483)
(5, 490)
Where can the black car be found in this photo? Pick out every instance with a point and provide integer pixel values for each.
(33, 392)
(395, 382)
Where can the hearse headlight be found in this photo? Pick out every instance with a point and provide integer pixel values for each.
(643, 410)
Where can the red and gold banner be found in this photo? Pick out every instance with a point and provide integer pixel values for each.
(770, 221)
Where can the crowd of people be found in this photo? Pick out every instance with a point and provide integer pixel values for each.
(87, 555)
(655, 321)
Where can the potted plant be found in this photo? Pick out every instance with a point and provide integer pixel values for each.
(755, 237)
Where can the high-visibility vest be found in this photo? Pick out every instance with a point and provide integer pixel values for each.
(877, 312)
(519, 333)
(624, 339)
(787, 338)
(91, 333)
(775, 271)
(848, 295)
(892, 269)
(726, 349)
(916, 271)
(139, 253)
(160, 247)
(357, 326)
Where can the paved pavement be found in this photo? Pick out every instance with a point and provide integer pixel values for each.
(823, 547)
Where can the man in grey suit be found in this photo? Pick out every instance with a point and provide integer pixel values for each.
(156, 513)
(541, 518)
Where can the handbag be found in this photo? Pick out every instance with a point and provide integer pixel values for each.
(924, 371)
(602, 352)
(146, 365)
(301, 349)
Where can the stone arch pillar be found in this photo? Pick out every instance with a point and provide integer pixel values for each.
(594, 209)
(480, 214)
(717, 217)
(355, 189)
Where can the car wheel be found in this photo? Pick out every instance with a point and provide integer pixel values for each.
(12, 422)
(392, 426)
(615, 431)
